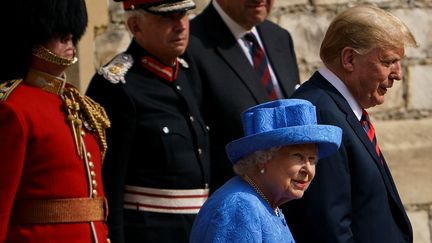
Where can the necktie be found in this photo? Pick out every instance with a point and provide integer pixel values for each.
(369, 129)
(261, 65)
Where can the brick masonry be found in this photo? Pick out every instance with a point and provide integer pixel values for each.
(403, 122)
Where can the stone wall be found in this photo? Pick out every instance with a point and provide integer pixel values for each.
(403, 122)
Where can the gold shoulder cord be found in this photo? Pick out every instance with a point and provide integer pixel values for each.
(92, 112)
(7, 87)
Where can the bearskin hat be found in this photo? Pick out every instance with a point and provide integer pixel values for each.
(28, 23)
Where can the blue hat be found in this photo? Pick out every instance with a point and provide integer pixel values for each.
(283, 122)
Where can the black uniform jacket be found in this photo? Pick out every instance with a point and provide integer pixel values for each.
(353, 197)
(158, 140)
(230, 84)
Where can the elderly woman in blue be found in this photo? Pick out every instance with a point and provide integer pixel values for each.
(274, 162)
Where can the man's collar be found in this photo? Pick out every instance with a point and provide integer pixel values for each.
(342, 88)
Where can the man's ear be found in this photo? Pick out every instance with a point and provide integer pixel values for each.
(348, 58)
(133, 24)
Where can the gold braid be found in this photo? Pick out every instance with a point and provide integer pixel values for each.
(94, 114)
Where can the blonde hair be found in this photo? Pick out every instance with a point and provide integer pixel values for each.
(364, 28)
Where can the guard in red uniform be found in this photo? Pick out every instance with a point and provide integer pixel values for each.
(52, 139)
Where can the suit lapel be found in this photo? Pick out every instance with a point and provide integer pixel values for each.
(350, 116)
(228, 48)
(352, 120)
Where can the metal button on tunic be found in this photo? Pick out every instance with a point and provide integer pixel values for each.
(165, 130)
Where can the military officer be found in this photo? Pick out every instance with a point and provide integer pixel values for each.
(156, 171)
(52, 138)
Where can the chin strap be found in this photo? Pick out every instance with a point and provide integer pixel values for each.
(49, 56)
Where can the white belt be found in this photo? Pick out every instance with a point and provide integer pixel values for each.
(164, 200)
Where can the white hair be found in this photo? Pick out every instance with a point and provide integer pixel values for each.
(248, 164)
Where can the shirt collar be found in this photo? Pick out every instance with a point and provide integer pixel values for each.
(342, 88)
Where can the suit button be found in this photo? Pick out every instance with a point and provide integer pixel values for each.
(192, 119)
(208, 128)
(199, 151)
(165, 130)
(95, 193)
(94, 183)
(178, 87)
(91, 165)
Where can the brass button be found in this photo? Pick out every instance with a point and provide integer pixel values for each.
(94, 183)
(93, 174)
(89, 155)
(91, 165)
(94, 193)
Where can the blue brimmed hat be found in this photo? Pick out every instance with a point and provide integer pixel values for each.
(280, 123)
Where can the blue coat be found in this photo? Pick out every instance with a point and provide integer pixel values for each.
(353, 197)
(236, 213)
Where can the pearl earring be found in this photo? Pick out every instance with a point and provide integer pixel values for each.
(262, 171)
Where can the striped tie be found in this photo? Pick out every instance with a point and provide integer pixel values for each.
(261, 65)
(369, 129)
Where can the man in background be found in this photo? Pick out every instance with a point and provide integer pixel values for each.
(243, 60)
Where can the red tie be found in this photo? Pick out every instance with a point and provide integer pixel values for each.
(368, 127)
(261, 65)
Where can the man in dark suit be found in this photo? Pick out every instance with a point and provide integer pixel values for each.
(353, 197)
(226, 63)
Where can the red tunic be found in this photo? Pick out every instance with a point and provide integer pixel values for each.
(39, 160)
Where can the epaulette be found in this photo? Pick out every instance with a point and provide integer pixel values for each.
(7, 87)
(183, 62)
(117, 68)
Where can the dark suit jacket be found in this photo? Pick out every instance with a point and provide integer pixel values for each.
(230, 84)
(353, 197)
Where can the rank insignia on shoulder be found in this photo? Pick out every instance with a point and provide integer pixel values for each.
(117, 68)
(7, 87)
(183, 62)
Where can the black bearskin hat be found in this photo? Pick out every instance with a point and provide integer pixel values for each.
(28, 23)
(57, 18)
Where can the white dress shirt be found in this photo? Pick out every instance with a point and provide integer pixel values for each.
(342, 88)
